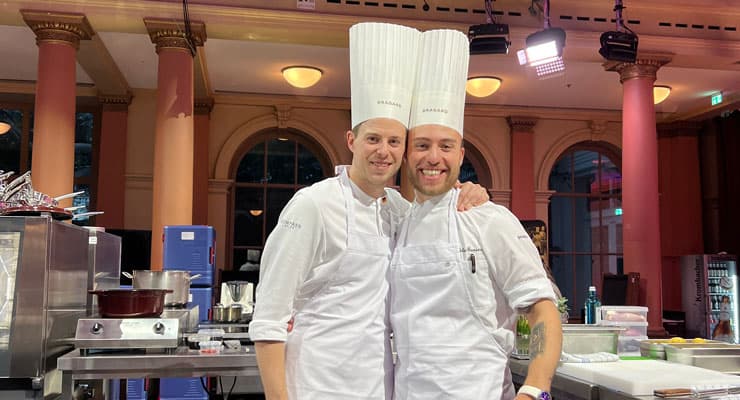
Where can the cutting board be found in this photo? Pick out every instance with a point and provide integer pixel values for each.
(642, 377)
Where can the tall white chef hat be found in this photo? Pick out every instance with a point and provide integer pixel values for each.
(439, 97)
(382, 61)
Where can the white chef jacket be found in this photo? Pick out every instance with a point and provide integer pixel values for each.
(509, 273)
(306, 246)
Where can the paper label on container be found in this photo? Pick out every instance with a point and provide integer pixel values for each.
(92, 240)
(187, 236)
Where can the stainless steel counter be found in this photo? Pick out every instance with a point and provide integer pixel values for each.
(182, 363)
(565, 387)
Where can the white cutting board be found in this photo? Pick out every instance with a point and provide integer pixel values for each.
(642, 377)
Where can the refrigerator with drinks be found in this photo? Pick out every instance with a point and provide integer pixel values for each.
(709, 296)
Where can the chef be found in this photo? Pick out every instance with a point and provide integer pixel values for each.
(458, 280)
(324, 266)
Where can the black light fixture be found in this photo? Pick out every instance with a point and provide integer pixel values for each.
(491, 37)
(544, 49)
(619, 45)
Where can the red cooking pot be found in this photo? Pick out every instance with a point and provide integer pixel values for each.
(123, 303)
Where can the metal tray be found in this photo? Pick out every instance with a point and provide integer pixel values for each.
(655, 348)
(723, 357)
(585, 339)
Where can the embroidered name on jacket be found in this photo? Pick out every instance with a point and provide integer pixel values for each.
(290, 225)
(431, 109)
(390, 103)
(470, 250)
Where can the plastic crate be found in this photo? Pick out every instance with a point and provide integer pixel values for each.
(630, 328)
(629, 345)
(628, 314)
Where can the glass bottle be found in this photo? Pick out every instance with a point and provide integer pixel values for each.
(593, 307)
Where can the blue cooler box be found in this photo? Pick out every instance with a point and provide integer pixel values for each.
(181, 389)
(191, 248)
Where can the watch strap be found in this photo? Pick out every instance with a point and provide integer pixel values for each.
(533, 392)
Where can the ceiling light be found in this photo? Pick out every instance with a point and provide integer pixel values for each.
(301, 76)
(619, 45)
(482, 86)
(544, 49)
(255, 213)
(660, 93)
(4, 127)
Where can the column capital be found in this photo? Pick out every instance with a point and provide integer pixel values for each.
(203, 106)
(220, 186)
(170, 34)
(282, 113)
(646, 66)
(521, 124)
(56, 27)
(115, 102)
(501, 197)
(543, 196)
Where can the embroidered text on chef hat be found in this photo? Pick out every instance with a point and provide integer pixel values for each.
(382, 61)
(439, 97)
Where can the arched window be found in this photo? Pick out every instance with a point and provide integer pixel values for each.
(585, 218)
(271, 170)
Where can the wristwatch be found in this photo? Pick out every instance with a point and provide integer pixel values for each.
(534, 393)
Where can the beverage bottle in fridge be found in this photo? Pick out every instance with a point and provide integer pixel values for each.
(593, 307)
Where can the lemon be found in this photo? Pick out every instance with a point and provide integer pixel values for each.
(677, 340)
(699, 340)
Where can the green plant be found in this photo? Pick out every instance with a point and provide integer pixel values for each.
(562, 305)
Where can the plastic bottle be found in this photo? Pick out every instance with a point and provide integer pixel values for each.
(593, 307)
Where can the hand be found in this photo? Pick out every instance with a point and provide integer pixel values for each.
(471, 195)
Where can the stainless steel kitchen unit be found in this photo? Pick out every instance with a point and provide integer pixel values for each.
(182, 363)
(43, 292)
(104, 259)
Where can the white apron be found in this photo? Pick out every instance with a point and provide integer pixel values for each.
(339, 347)
(444, 351)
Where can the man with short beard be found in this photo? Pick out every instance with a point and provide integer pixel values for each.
(459, 280)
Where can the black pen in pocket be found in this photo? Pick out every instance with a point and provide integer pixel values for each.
(472, 262)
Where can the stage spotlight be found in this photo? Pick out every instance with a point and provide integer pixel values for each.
(544, 49)
(619, 45)
(491, 37)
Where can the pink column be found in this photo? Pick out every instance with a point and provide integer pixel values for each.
(200, 161)
(58, 38)
(641, 218)
(112, 161)
(523, 203)
(172, 191)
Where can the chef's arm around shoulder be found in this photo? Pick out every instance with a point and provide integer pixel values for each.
(545, 344)
(271, 363)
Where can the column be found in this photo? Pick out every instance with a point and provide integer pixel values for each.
(220, 208)
(203, 109)
(112, 161)
(172, 188)
(523, 203)
(641, 218)
(58, 38)
(681, 202)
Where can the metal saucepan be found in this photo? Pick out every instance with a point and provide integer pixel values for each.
(176, 281)
(123, 303)
(230, 313)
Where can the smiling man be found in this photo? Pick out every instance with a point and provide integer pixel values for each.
(324, 266)
(459, 280)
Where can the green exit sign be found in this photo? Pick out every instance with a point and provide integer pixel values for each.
(617, 211)
(716, 99)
